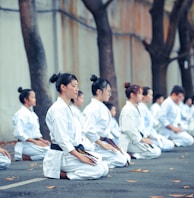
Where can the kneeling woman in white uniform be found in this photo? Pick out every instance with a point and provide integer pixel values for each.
(5, 159)
(170, 119)
(30, 145)
(162, 142)
(132, 127)
(97, 125)
(64, 160)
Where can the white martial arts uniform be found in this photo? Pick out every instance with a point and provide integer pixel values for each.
(115, 130)
(61, 124)
(163, 143)
(132, 127)
(97, 124)
(191, 122)
(155, 110)
(170, 115)
(79, 121)
(4, 161)
(186, 115)
(27, 126)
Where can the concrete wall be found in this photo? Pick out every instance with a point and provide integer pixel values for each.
(72, 47)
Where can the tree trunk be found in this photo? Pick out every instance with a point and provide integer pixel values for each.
(159, 49)
(157, 59)
(185, 48)
(104, 41)
(36, 60)
(159, 75)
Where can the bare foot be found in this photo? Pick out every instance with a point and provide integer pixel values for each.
(63, 175)
(26, 157)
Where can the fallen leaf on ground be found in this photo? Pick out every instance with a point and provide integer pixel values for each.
(51, 187)
(186, 187)
(144, 171)
(171, 169)
(7, 143)
(11, 178)
(181, 157)
(177, 195)
(139, 170)
(189, 196)
(132, 163)
(156, 196)
(33, 164)
(176, 181)
(131, 181)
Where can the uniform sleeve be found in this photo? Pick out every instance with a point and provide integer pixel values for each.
(115, 129)
(19, 132)
(128, 126)
(89, 128)
(163, 116)
(153, 110)
(61, 130)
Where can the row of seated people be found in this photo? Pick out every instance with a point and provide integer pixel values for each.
(66, 156)
(138, 123)
(106, 145)
(186, 111)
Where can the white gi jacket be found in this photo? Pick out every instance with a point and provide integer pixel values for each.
(26, 125)
(132, 127)
(191, 122)
(155, 110)
(186, 115)
(79, 121)
(97, 124)
(115, 130)
(148, 121)
(163, 143)
(4, 161)
(60, 122)
(170, 115)
(97, 121)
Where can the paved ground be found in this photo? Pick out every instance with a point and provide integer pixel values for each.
(171, 175)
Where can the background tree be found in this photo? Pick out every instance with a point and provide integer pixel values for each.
(36, 60)
(159, 48)
(104, 39)
(185, 37)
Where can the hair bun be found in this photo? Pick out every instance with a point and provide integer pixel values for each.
(54, 77)
(127, 85)
(20, 89)
(93, 78)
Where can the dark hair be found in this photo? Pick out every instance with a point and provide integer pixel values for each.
(79, 94)
(129, 88)
(24, 93)
(192, 99)
(98, 83)
(186, 98)
(60, 79)
(109, 105)
(177, 89)
(145, 90)
(157, 96)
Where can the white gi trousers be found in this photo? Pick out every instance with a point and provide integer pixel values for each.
(4, 161)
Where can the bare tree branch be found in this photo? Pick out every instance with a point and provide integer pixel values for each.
(179, 7)
(180, 56)
(148, 46)
(107, 3)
